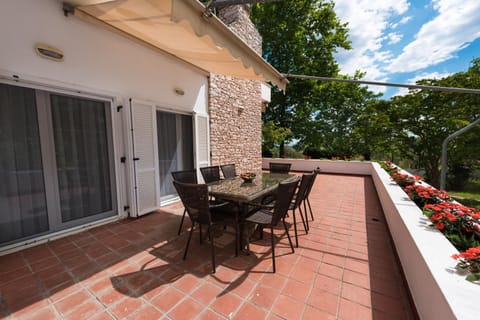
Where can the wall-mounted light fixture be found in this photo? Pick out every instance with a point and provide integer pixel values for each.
(179, 91)
(48, 52)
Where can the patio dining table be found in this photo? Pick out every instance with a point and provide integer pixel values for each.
(242, 193)
(235, 190)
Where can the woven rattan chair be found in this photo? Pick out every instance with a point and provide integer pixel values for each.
(268, 217)
(299, 200)
(195, 199)
(307, 200)
(184, 176)
(228, 170)
(210, 174)
(279, 167)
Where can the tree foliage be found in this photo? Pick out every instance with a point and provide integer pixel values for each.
(299, 37)
(272, 137)
(340, 109)
(423, 119)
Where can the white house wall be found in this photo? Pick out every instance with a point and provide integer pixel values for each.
(97, 61)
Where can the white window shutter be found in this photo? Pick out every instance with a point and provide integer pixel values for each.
(202, 145)
(145, 157)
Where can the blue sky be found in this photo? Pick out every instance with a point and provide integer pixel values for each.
(402, 41)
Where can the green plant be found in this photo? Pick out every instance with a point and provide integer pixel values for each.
(469, 260)
(404, 180)
(458, 223)
(423, 195)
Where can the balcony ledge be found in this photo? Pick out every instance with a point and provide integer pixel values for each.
(437, 290)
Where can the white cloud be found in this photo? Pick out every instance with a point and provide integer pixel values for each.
(421, 76)
(402, 21)
(368, 22)
(405, 19)
(394, 37)
(456, 25)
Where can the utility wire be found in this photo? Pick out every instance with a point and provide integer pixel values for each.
(389, 84)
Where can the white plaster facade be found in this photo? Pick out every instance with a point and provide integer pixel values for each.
(102, 65)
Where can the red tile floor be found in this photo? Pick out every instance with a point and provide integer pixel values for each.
(133, 269)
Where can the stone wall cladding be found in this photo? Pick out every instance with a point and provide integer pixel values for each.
(235, 105)
(237, 18)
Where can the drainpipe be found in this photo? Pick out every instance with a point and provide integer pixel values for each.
(443, 175)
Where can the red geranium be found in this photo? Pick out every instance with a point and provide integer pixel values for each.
(469, 260)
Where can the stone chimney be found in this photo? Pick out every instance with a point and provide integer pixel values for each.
(237, 18)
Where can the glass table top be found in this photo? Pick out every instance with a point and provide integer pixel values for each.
(235, 189)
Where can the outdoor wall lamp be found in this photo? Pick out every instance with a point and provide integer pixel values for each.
(48, 52)
(179, 91)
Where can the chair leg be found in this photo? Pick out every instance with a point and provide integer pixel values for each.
(310, 207)
(295, 228)
(306, 215)
(200, 228)
(188, 241)
(303, 220)
(213, 248)
(181, 222)
(237, 242)
(272, 239)
(288, 235)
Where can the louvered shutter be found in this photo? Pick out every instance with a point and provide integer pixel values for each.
(202, 145)
(145, 157)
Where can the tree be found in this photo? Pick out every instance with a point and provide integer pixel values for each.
(373, 131)
(299, 37)
(272, 137)
(339, 112)
(422, 119)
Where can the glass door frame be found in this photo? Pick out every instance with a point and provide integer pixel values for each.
(45, 120)
(166, 198)
(47, 145)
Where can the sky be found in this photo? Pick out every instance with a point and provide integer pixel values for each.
(402, 41)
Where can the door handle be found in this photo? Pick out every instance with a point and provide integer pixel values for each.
(136, 159)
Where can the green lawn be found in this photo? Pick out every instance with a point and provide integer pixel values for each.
(470, 195)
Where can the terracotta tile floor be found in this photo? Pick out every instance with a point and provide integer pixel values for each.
(133, 269)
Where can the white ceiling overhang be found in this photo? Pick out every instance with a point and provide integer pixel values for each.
(180, 28)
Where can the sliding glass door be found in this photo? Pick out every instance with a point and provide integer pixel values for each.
(23, 204)
(55, 161)
(82, 157)
(175, 148)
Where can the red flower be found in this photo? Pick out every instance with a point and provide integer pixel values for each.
(440, 226)
(450, 216)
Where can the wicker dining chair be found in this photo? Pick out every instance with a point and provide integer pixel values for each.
(228, 171)
(184, 176)
(299, 200)
(195, 199)
(307, 200)
(268, 217)
(279, 167)
(210, 174)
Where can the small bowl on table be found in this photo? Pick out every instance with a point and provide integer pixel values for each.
(248, 177)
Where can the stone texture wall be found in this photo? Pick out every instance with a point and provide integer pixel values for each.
(235, 105)
(237, 18)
